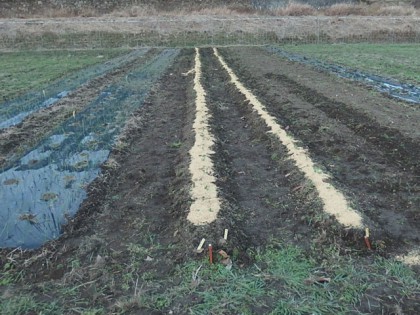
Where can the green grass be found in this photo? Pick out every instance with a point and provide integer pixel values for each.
(399, 61)
(282, 282)
(8, 276)
(27, 304)
(28, 70)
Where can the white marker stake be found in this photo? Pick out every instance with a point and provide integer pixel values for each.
(200, 246)
(226, 234)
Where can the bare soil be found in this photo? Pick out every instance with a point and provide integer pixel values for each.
(369, 144)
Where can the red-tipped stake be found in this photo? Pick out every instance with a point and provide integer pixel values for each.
(367, 242)
(210, 254)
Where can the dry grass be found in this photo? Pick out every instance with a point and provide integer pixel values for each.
(145, 10)
(344, 9)
(397, 11)
(64, 13)
(296, 9)
(225, 10)
(292, 9)
(136, 11)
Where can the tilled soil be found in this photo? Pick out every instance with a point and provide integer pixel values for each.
(265, 195)
(367, 142)
(131, 202)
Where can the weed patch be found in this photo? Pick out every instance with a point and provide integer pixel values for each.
(282, 280)
(27, 304)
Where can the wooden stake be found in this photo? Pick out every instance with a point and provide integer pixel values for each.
(367, 242)
(210, 254)
(200, 246)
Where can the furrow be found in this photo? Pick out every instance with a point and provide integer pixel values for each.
(263, 195)
(47, 185)
(334, 201)
(384, 191)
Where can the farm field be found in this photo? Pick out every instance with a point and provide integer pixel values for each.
(279, 166)
(30, 70)
(398, 61)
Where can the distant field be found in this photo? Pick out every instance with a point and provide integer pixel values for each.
(399, 61)
(25, 71)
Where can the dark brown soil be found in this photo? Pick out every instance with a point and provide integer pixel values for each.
(261, 186)
(368, 143)
(132, 204)
(139, 204)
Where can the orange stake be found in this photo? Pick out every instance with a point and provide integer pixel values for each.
(210, 254)
(367, 242)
